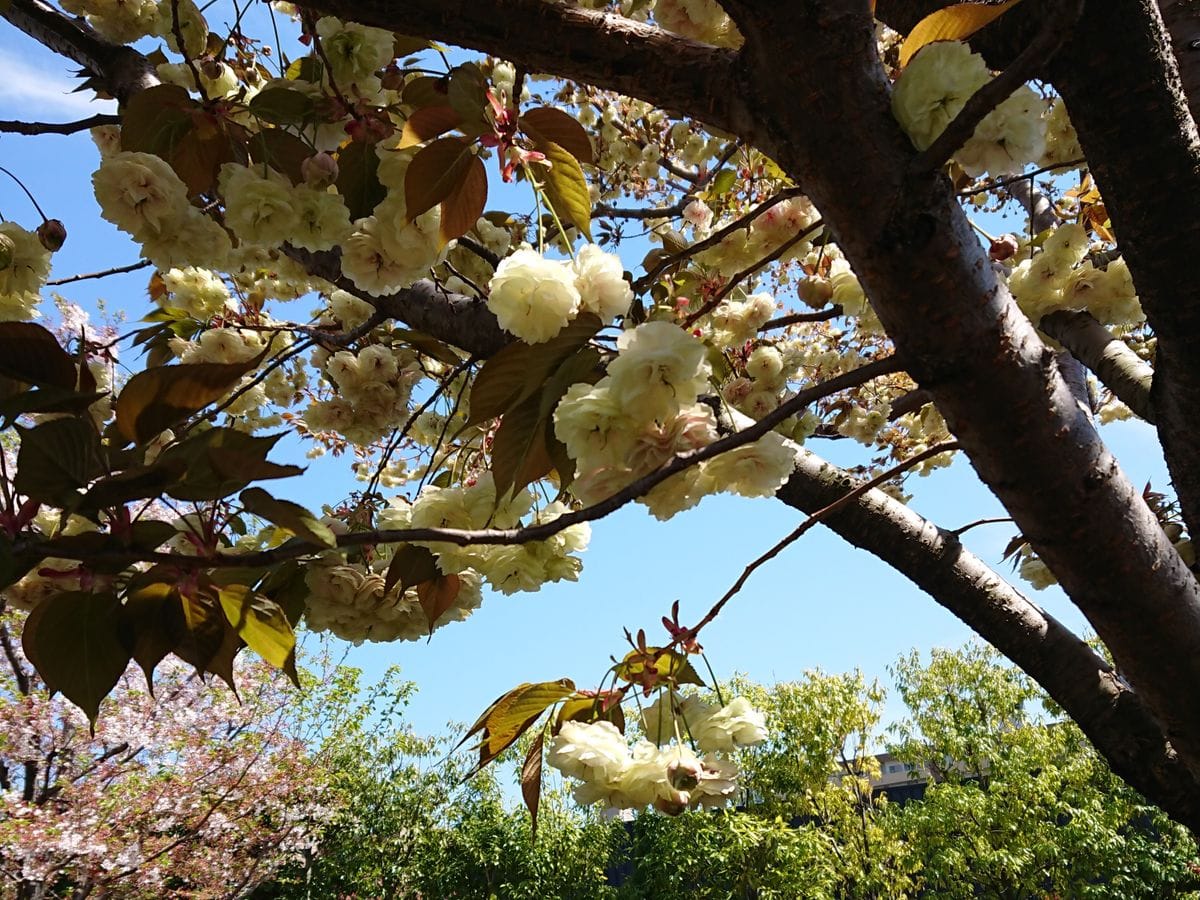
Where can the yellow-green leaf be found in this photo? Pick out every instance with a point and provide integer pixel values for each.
(545, 123)
(159, 397)
(566, 188)
(427, 123)
(434, 174)
(531, 780)
(667, 664)
(954, 23)
(462, 209)
(261, 623)
(292, 516)
(512, 713)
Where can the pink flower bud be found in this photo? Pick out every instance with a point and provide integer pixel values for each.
(319, 170)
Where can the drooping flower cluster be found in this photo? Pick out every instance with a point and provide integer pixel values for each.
(660, 772)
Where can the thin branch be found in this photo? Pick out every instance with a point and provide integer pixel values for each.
(1013, 179)
(958, 532)
(119, 270)
(821, 315)
(608, 211)
(812, 520)
(741, 276)
(12, 126)
(1055, 30)
(643, 283)
(463, 537)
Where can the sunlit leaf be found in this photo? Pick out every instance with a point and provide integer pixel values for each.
(953, 23)
(464, 205)
(512, 713)
(292, 516)
(566, 187)
(158, 398)
(434, 174)
(546, 124)
(666, 664)
(262, 624)
(427, 123)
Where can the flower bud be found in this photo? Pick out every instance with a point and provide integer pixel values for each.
(815, 291)
(53, 234)
(319, 170)
(1003, 247)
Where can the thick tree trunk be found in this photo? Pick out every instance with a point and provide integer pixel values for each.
(965, 340)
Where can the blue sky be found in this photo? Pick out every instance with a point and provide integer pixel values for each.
(820, 604)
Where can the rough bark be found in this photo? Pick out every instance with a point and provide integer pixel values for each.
(1119, 369)
(965, 340)
(1182, 18)
(1121, 84)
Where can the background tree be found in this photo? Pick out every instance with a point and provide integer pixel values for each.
(764, 91)
(190, 791)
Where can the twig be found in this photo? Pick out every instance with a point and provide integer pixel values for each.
(641, 285)
(741, 276)
(1056, 28)
(608, 211)
(119, 270)
(296, 548)
(11, 126)
(812, 520)
(821, 315)
(958, 532)
(1013, 179)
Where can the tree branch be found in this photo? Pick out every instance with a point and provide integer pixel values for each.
(602, 49)
(36, 128)
(1055, 29)
(820, 315)
(1119, 369)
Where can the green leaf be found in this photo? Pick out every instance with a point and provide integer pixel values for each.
(220, 461)
(426, 123)
(511, 715)
(954, 23)
(56, 459)
(292, 516)
(546, 124)
(411, 565)
(262, 624)
(74, 641)
(519, 370)
(157, 398)
(723, 181)
(280, 150)
(531, 780)
(151, 620)
(434, 174)
(519, 454)
(31, 354)
(155, 119)
(358, 179)
(463, 207)
(467, 92)
(566, 187)
(282, 106)
(307, 68)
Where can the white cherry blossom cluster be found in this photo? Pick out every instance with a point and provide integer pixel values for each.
(1059, 277)
(644, 412)
(373, 387)
(24, 267)
(937, 84)
(349, 601)
(534, 298)
(765, 234)
(700, 20)
(660, 772)
(507, 568)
